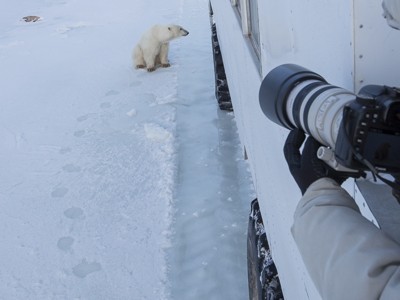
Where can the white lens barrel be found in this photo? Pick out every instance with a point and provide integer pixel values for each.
(316, 107)
(325, 115)
(291, 109)
(294, 97)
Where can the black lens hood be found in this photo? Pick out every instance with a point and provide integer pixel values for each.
(276, 87)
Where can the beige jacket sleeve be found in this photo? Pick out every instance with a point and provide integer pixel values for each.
(346, 256)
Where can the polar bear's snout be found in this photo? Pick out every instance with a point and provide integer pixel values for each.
(184, 32)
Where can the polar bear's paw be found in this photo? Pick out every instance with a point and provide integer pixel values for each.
(140, 66)
(167, 65)
(151, 69)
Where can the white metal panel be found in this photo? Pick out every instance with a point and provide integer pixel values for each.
(315, 34)
(276, 189)
(377, 51)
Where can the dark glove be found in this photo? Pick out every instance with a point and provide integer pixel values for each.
(307, 167)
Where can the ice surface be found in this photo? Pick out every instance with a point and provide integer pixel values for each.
(108, 173)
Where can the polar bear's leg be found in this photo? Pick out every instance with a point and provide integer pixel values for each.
(150, 59)
(164, 55)
(138, 58)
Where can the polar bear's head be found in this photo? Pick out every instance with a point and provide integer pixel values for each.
(166, 33)
(177, 30)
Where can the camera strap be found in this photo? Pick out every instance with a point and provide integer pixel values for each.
(375, 173)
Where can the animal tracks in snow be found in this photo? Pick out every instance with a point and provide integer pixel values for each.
(111, 93)
(66, 243)
(82, 118)
(74, 213)
(121, 115)
(59, 192)
(85, 268)
(105, 105)
(79, 133)
(65, 150)
(71, 168)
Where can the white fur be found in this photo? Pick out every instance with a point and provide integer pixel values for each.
(154, 44)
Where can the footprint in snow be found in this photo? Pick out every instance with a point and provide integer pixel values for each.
(85, 268)
(65, 243)
(111, 93)
(82, 118)
(74, 213)
(65, 150)
(59, 192)
(71, 168)
(79, 133)
(105, 105)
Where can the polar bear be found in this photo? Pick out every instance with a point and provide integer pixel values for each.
(152, 48)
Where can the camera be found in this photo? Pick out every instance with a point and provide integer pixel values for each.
(358, 132)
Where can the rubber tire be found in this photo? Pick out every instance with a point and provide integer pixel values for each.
(263, 279)
(253, 272)
(221, 84)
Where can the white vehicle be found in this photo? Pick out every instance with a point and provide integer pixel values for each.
(350, 45)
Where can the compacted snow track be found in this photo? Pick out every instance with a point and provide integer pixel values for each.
(207, 258)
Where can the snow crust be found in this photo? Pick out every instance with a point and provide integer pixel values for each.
(96, 157)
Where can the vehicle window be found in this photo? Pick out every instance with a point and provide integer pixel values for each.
(248, 12)
(254, 29)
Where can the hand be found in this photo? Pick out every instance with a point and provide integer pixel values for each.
(307, 167)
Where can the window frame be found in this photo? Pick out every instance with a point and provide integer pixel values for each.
(248, 16)
(237, 5)
(254, 25)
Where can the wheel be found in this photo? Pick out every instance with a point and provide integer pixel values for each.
(221, 84)
(263, 279)
(253, 272)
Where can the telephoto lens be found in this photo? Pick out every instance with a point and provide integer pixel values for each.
(294, 97)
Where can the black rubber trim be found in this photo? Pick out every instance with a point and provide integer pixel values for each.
(298, 101)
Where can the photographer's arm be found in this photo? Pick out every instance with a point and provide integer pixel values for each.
(346, 256)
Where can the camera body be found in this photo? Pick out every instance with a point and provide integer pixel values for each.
(359, 132)
(370, 129)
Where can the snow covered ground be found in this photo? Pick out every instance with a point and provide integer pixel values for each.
(116, 183)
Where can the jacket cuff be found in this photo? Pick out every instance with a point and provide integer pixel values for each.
(324, 192)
